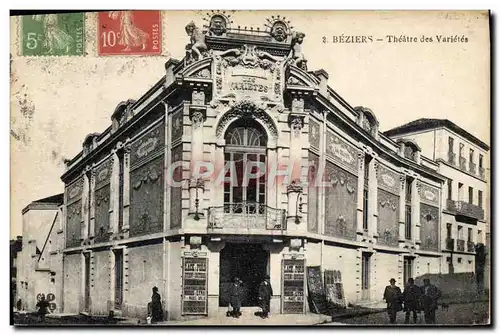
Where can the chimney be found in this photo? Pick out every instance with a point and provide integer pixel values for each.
(169, 67)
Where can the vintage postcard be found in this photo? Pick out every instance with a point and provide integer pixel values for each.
(235, 168)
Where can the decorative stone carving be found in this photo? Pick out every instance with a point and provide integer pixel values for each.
(314, 133)
(361, 160)
(246, 109)
(402, 180)
(340, 178)
(250, 57)
(149, 176)
(196, 183)
(294, 187)
(386, 202)
(197, 118)
(296, 57)
(341, 151)
(296, 123)
(298, 105)
(204, 73)
(195, 241)
(429, 193)
(218, 25)
(295, 244)
(196, 49)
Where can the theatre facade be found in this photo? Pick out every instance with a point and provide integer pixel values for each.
(241, 161)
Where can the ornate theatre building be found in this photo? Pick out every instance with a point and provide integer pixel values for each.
(241, 161)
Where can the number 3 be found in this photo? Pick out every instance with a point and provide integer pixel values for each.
(31, 43)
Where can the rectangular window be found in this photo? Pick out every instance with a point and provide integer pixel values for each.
(480, 198)
(479, 236)
(460, 233)
(121, 170)
(460, 190)
(469, 235)
(471, 195)
(471, 155)
(480, 161)
(408, 189)
(89, 205)
(365, 271)
(408, 222)
(461, 150)
(365, 209)
(450, 144)
(448, 230)
(367, 168)
(450, 188)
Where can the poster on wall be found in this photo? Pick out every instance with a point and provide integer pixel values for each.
(293, 286)
(194, 288)
(334, 289)
(317, 299)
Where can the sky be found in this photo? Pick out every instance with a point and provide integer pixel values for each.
(57, 101)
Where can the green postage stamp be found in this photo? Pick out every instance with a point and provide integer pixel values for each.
(52, 35)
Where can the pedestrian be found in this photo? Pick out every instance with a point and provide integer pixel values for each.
(19, 305)
(156, 308)
(265, 294)
(430, 297)
(393, 297)
(43, 308)
(235, 297)
(412, 297)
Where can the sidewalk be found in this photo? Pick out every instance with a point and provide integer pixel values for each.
(249, 319)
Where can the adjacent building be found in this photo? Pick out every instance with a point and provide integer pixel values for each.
(240, 161)
(463, 159)
(39, 263)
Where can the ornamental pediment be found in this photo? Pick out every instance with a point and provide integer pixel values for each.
(248, 72)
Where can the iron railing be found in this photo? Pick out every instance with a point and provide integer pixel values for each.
(481, 172)
(462, 163)
(246, 215)
(465, 209)
(460, 245)
(470, 246)
(451, 158)
(472, 167)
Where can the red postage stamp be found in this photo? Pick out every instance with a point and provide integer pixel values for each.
(136, 32)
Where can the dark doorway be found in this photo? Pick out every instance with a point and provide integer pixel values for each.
(247, 261)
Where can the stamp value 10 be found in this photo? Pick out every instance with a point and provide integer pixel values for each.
(129, 33)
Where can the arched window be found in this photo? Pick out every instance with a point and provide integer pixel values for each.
(245, 161)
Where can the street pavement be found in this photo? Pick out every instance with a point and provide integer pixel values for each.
(456, 314)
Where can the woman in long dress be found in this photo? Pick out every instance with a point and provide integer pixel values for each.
(130, 34)
(56, 39)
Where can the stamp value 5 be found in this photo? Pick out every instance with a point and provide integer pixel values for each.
(129, 33)
(52, 35)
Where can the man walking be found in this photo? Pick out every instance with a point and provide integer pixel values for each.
(265, 294)
(430, 297)
(411, 296)
(393, 296)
